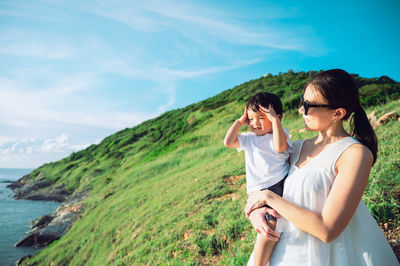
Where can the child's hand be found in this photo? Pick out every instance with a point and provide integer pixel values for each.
(269, 112)
(244, 119)
(257, 219)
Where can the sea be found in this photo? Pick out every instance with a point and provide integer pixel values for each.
(15, 216)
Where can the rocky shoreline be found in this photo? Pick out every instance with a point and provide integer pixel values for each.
(49, 227)
(38, 190)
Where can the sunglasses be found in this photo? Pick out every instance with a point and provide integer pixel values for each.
(306, 105)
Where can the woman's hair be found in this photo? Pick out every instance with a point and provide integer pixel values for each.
(265, 99)
(339, 89)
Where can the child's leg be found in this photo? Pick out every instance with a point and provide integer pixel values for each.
(263, 248)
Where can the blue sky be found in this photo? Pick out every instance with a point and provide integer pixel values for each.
(74, 72)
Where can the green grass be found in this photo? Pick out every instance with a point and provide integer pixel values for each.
(383, 192)
(162, 192)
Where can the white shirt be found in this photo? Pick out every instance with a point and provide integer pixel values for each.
(264, 166)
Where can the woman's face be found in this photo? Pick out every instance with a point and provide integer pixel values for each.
(317, 118)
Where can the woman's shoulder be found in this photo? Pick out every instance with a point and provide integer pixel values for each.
(356, 152)
(357, 149)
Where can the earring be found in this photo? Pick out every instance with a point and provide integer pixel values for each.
(334, 120)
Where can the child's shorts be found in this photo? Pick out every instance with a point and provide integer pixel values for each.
(277, 189)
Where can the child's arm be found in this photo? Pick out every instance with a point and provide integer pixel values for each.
(231, 137)
(279, 137)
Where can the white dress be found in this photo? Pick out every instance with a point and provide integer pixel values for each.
(362, 241)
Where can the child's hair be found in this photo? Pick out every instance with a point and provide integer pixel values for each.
(265, 99)
(340, 89)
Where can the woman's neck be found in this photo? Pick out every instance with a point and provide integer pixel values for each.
(332, 134)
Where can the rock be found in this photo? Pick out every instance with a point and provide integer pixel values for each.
(41, 221)
(41, 190)
(372, 116)
(19, 262)
(35, 185)
(7, 181)
(37, 239)
(16, 184)
(21, 182)
(77, 196)
(385, 118)
(51, 227)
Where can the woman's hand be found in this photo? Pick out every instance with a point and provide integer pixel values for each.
(256, 200)
(257, 219)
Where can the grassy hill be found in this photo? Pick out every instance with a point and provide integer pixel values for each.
(168, 192)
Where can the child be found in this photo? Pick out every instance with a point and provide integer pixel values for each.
(266, 152)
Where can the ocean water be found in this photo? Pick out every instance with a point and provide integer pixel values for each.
(15, 216)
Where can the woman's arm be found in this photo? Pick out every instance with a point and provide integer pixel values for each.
(353, 169)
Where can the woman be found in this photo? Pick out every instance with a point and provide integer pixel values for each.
(325, 222)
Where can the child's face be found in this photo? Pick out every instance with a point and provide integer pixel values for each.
(259, 123)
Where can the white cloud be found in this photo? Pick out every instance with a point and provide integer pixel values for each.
(59, 144)
(79, 147)
(17, 152)
(29, 146)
